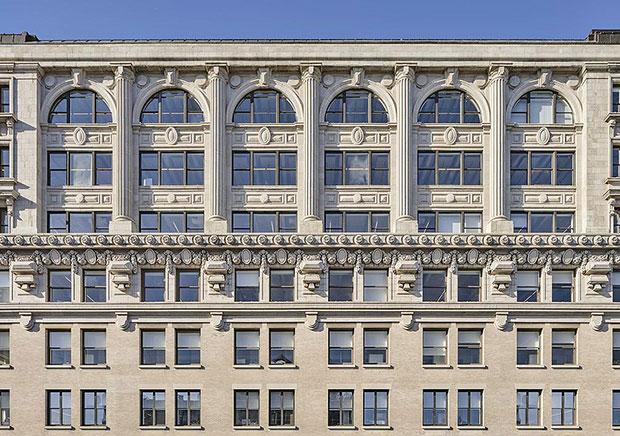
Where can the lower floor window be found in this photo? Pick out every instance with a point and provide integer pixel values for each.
(58, 408)
(528, 408)
(340, 411)
(246, 408)
(542, 222)
(264, 222)
(187, 408)
(615, 412)
(171, 222)
(375, 408)
(470, 408)
(5, 408)
(357, 222)
(449, 222)
(435, 404)
(93, 408)
(563, 408)
(281, 408)
(153, 408)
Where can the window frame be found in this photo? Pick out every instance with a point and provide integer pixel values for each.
(469, 408)
(341, 350)
(154, 394)
(464, 348)
(554, 223)
(558, 347)
(94, 114)
(342, 411)
(95, 170)
(528, 407)
(5, 408)
(51, 290)
(538, 349)
(98, 411)
(184, 214)
(159, 350)
(252, 113)
(188, 288)
(373, 350)
(343, 218)
(282, 288)
(186, 113)
(463, 220)
(375, 409)
(528, 97)
(177, 409)
(371, 170)
(5, 353)
(563, 408)
(144, 289)
(278, 170)
(442, 360)
(332, 297)
(186, 169)
(370, 112)
(88, 349)
(64, 398)
(273, 421)
(463, 98)
(178, 350)
(252, 213)
(436, 422)
(466, 288)
(95, 215)
(462, 169)
(284, 350)
(554, 170)
(246, 410)
(94, 273)
(255, 357)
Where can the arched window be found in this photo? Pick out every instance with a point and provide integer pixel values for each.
(449, 107)
(264, 107)
(172, 107)
(356, 106)
(80, 106)
(542, 107)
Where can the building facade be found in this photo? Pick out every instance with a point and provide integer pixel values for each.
(309, 237)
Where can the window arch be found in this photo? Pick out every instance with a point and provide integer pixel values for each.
(80, 106)
(541, 107)
(356, 106)
(449, 107)
(172, 106)
(264, 106)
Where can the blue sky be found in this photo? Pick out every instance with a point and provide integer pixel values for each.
(105, 19)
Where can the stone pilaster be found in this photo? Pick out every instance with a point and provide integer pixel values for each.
(309, 156)
(498, 155)
(122, 168)
(404, 181)
(215, 180)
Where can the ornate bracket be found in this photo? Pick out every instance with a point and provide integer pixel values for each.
(121, 271)
(216, 271)
(24, 273)
(500, 273)
(264, 76)
(596, 273)
(501, 321)
(123, 321)
(311, 270)
(171, 76)
(406, 273)
(357, 76)
(452, 77)
(217, 321)
(407, 321)
(26, 319)
(312, 321)
(597, 321)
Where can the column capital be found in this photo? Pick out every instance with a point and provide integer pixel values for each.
(404, 71)
(124, 72)
(312, 71)
(218, 71)
(497, 72)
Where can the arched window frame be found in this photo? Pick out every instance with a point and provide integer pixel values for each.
(464, 113)
(555, 97)
(100, 112)
(283, 107)
(374, 114)
(186, 114)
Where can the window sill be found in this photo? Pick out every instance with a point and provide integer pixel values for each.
(102, 366)
(94, 427)
(377, 427)
(473, 366)
(248, 366)
(378, 366)
(59, 367)
(616, 367)
(531, 427)
(343, 366)
(471, 427)
(159, 366)
(8, 427)
(565, 427)
(153, 427)
(9, 366)
(437, 427)
(283, 427)
(189, 427)
(192, 366)
(531, 367)
(341, 427)
(436, 367)
(58, 427)
(285, 366)
(566, 366)
(247, 427)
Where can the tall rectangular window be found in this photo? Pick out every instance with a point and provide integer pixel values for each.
(375, 408)
(615, 358)
(375, 347)
(187, 286)
(247, 286)
(615, 408)
(281, 347)
(59, 288)
(5, 287)
(340, 347)
(563, 408)
(468, 286)
(615, 162)
(340, 409)
(434, 286)
(93, 408)
(340, 285)
(58, 347)
(615, 99)
(153, 344)
(247, 346)
(563, 350)
(5, 162)
(281, 285)
(5, 99)
(528, 408)
(375, 285)
(615, 286)
(187, 408)
(528, 347)
(435, 349)
(58, 408)
(152, 408)
(246, 408)
(93, 347)
(527, 283)
(5, 408)
(4, 222)
(153, 286)
(435, 408)
(562, 286)
(281, 408)
(469, 408)
(5, 347)
(95, 288)
(470, 347)
(187, 347)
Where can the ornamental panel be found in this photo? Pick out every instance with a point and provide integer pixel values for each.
(267, 199)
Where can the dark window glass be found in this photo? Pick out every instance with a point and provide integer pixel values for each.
(562, 287)
(5, 348)
(340, 285)
(281, 408)
(187, 347)
(247, 347)
(340, 411)
(264, 222)
(357, 168)
(5, 162)
(427, 222)
(435, 408)
(449, 168)
(563, 351)
(340, 347)
(281, 285)
(172, 107)
(376, 408)
(80, 107)
(58, 347)
(426, 168)
(470, 347)
(95, 288)
(449, 106)
(264, 107)
(615, 165)
(356, 106)
(434, 286)
(541, 222)
(281, 347)
(615, 99)
(247, 286)
(468, 286)
(153, 408)
(58, 408)
(357, 222)
(93, 347)
(246, 408)
(103, 168)
(153, 344)
(187, 286)
(93, 408)
(153, 286)
(615, 402)
(518, 168)
(527, 283)
(171, 168)
(171, 222)
(541, 168)
(59, 288)
(5, 100)
(375, 347)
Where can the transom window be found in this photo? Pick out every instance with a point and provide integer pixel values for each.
(172, 107)
(356, 106)
(541, 168)
(542, 222)
(357, 222)
(264, 222)
(80, 106)
(449, 222)
(451, 106)
(171, 222)
(449, 168)
(357, 168)
(542, 107)
(264, 107)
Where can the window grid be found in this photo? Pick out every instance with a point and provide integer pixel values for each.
(435, 347)
(615, 408)
(563, 408)
(5, 408)
(340, 347)
(376, 408)
(5, 99)
(281, 285)
(346, 221)
(73, 168)
(93, 347)
(95, 287)
(449, 106)
(187, 408)
(58, 347)
(469, 408)
(434, 286)
(264, 107)
(5, 347)
(435, 405)
(152, 347)
(152, 408)
(356, 106)
(449, 168)
(281, 347)
(80, 107)
(93, 408)
(58, 408)
(247, 347)
(281, 408)
(528, 408)
(171, 168)
(5, 162)
(528, 347)
(563, 349)
(468, 286)
(615, 358)
(357, 168)
(470, 347)
(163, 108)
(524, 110)
(181, 222)
(251, 222)
(250, 168)
(59, 286)
(153, 286)
(78, 222)
(548, 168)
(445, 222)
(247, 408)
(340, 410)
(187, 347)
(543, 222)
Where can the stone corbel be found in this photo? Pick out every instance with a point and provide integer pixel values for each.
(171, 76)
(216, 271)
(77, 77)
(311, 270)
(407, 321)
(544, 78)
(27, 321)
(121, 271)
(123, 321)
(452, 77)
(312, 321)
(596, 273)
(264, 76)
(24, 273)
(406, 273)
(217, 321)
(357, 76)
(597, 321)
(500, 273)
(501, 321)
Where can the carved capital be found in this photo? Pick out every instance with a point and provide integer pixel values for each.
(124, 72)
(403, 72)
(217, 72)
(498, 72)
(311, 72)
(312, 321)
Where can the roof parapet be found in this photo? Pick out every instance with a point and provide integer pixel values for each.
(604, 36)
(17, 38)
